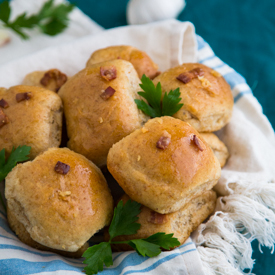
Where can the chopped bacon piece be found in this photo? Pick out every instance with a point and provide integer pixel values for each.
(197, 143)
(163, 142)
(108, 93)
(55, 75)
(23, 96)
(188, 76)
(157, 218)
(3, 103)
(62, 168)
(108, 72)
(3, 118)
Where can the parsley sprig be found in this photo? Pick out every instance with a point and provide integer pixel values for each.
(155, 107)
(124, 223)
(51, 19)
(17, 155)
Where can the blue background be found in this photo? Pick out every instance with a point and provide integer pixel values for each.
(242, 34)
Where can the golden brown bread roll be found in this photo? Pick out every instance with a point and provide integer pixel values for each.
(60, 198)
(25, 237)
(30, 116)
(207, 97)
(99, 112)
(140, 60)
(182, 222)
(218, 147)
(164, 165)
(52, 79)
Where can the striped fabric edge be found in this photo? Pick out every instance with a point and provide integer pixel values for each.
(237, 83)
(18, 258)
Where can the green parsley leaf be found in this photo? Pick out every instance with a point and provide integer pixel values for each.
(51, 19)
(96, 256)
(155, 107)
(5, 11)
(124, 219)
(170, 102)
(124, 223)
(165, 241)
(145, 248)
(17, 155)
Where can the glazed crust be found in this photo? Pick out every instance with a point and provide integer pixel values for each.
(208, 101)
(181, 223)
(95, 124)
(59, 211)
(140, 60)
(36, 122)
(163, 180)
(25, 237)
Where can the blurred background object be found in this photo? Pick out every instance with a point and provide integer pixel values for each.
(146, 11)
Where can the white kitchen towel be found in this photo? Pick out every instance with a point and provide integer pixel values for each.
(245, 210)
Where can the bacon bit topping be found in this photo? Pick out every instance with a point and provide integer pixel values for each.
(23, 96)
(107, 93)
(157, 218)
(196, 142)
(62, 168)
(55, 75)
(3, 103)
(164, 141)
(3, 118)
(188, 76)
(108, 72)
(215, 73)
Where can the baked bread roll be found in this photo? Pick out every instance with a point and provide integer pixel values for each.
(218, 147)
(52, 79)
(99, 108)
(140, 60)
(182, 222)
(30, 116)
(207, 97)
(164, 165)
(60, 200)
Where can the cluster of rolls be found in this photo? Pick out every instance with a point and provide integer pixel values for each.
(60, 199)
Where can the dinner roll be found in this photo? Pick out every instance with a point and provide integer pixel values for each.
(218, 147)
(182, 222)
(60, 198)
(164, 165)
(25, 237)
(52, 79)
(140, 60)
(207, 97)
(30, 116)
(99, 108)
